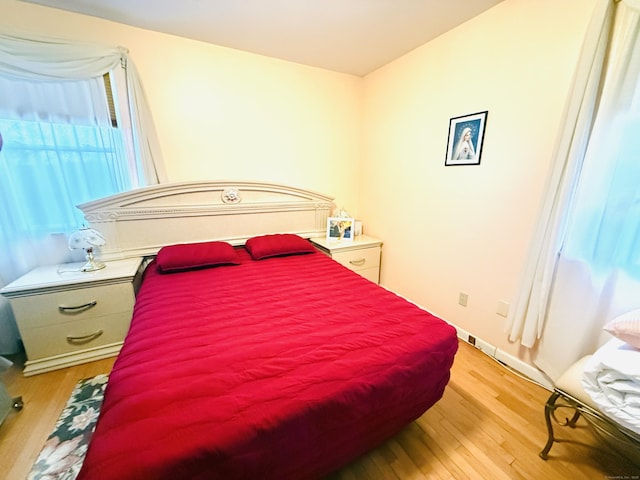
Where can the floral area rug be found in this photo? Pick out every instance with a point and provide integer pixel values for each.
(64, 451)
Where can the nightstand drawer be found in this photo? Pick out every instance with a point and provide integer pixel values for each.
(360, 259)
(362, 255)
(78, 304)
(75, 335)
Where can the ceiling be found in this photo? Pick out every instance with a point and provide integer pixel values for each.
(350, 36)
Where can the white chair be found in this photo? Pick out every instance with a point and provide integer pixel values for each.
(569, 393)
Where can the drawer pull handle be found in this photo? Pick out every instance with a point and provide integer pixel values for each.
(84, 339)
(358, 262)
(77, 309)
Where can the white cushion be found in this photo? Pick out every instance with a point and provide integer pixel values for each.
(571, 382)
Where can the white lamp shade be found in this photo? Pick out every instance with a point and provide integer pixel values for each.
(86, 238)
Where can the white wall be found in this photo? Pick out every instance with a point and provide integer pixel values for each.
(453, 229)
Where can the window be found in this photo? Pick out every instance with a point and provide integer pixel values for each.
(63, 144)
(605, 230)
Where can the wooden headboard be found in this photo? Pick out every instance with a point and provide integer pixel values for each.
(140, 222)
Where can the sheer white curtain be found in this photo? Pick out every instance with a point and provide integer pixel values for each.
(42, 58)
(60, 82)
(584, 265)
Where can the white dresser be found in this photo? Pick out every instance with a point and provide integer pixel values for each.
(362, 255)
(67, 317)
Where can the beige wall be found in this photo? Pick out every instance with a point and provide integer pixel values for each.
(377, 144)
(453, 229)
(229, 115)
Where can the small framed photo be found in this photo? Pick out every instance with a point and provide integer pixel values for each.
(340, 229)
(466, 135)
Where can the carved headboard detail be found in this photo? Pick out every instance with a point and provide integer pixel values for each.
(140, 222)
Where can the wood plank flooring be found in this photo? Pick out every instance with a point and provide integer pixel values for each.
(488, 425)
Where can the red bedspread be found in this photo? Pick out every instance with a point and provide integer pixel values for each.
(284, 368)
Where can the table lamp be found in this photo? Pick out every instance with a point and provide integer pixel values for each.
(87, 239)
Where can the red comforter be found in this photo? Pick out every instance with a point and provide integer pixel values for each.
(284, 368)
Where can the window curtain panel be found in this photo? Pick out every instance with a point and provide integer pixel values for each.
(37, 60)
(565, 296)
(598, 274)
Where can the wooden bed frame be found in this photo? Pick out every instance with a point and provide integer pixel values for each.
(138, 223)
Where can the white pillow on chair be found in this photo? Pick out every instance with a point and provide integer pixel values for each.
(626, 327)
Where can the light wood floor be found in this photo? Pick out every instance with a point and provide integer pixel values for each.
(488, 425)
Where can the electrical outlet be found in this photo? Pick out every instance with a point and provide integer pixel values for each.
(463, 298)
(503, 308)
(472, 340)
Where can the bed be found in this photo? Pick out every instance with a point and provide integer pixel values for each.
(604, 388)
(252, 354)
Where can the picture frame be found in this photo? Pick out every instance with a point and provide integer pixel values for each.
(466, 137)
(340, 229)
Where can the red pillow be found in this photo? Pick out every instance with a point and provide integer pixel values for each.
(278, 244)
(186, 256)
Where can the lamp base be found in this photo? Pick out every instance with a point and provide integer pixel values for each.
(92, 265)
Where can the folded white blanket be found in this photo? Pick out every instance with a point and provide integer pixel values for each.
(612, 379)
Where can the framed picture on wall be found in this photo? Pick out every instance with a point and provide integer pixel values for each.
(340, 229)
(466, 135)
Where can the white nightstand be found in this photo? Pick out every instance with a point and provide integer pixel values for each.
(67, 317)
(362, 255)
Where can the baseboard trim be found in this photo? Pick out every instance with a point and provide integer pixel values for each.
(514, 363)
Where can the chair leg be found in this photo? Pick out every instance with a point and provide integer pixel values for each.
(574, 419)
(549, 408)
(17, 403)
(550, 413)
